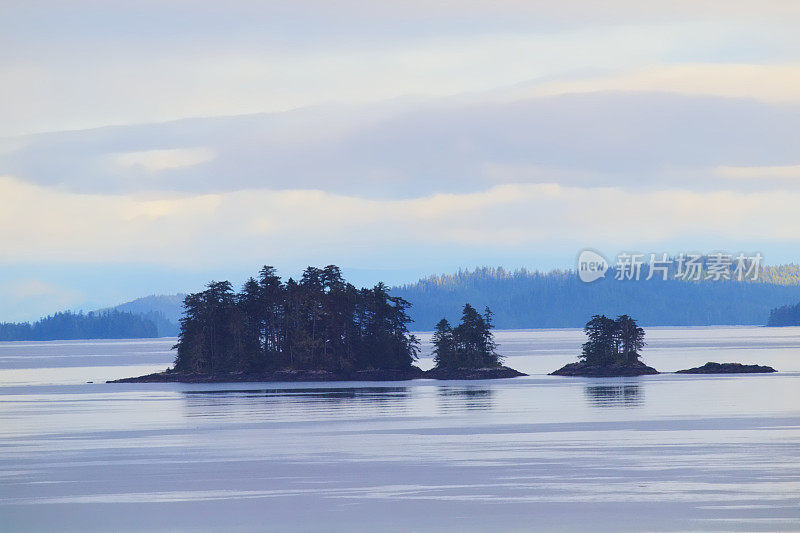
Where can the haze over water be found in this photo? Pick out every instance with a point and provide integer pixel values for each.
(667, 452)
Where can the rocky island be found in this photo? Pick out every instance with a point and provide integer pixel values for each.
(468, 351)
(318, 329)
(612, 350)
(171, 376)
(728, 368)
(496, 372)
(585, 369)
(323, 375)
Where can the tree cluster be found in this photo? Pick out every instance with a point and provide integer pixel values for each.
(320, 322)
(468, 345)
(786, 315)
(612, 341)
(68, 326)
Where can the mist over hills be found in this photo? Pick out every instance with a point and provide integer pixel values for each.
(147, 317)
(169, 305)
(163, 310)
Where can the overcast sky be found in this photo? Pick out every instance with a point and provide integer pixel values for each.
(149, 146)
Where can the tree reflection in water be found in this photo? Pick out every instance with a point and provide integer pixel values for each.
(296, 403)
(629, 395)
(465, 398)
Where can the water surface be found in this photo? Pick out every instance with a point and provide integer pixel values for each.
(662, 453)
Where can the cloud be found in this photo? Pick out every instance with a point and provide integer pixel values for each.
(411, 149)
(789, 172)
(396, 134)
(241, 228)
(95, 64)
(767, 83)
(156, 160)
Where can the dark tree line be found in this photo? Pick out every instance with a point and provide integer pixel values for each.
(468, 345)
(612, 341)
(69, 326)
(787, 315)
(558, 299)
(320, 322)
(164, 327)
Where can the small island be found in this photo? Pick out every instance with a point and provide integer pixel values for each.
(612, 350)
(468, 351)
(728, 368)
(319, 328)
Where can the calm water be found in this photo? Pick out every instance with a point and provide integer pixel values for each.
(664, 452)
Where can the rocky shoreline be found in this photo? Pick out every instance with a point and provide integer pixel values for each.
(583, 369)
(324, 375)
(728, 368)
(579, 369)
(473, 373)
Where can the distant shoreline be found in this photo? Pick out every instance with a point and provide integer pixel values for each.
(423, 332)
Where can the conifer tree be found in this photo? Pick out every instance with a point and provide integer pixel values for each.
(612, 341)
(444, 350)
(320, 323)
(468, 345)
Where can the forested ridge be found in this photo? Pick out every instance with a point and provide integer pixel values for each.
(518, 299)
(69, 326)
(558, 299)
(164, 310)
(786, 315)
(319, 322)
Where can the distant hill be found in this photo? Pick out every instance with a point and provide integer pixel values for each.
(558, 299)
(169, 305)
(68, 326)
(147, 317)
(786, 315)
(163, 310)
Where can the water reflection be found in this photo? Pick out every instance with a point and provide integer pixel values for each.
(308, 392)
(296, 403)
(465, 398)
(614, 395)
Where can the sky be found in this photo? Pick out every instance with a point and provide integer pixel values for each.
(148, 147)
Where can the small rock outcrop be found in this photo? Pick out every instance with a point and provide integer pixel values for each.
(582, 368)
(728, 368)
(497, 372)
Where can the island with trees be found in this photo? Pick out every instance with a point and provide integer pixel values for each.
(318, 328)
(612, 349)
(468, 351)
